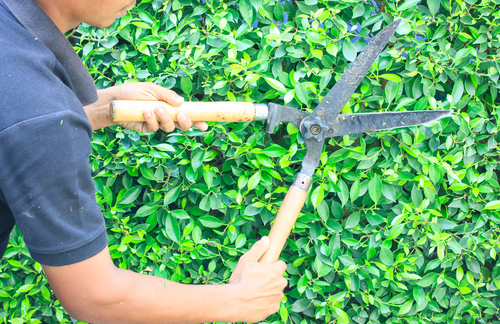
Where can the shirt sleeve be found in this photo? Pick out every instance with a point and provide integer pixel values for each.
(46, 179)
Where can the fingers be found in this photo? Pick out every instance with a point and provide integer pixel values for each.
(183, 121)
(167, 124)
(165, 94)
(201, 125)
(283, 283)
(151, 124)
(257, 250)
(281, 266)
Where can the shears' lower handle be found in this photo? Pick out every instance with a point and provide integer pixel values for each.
(287, 215)
(227, 111)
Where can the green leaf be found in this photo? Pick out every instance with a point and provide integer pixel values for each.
(172, 229)
(25, 288)
(404, 28)
(197, 160)
(349, 51)
(275, 150)
(130, 195)
(407, 139)
(211, 222)
(254, 180)
(386, 256)
(171, 195)
(147, 172)
(354, 192)
(180, 214)
(302, 93)
(374, 219)
(396, 231)
(458, 90)
(408, 4)
(240, 241)
(353, 220)
(257, 4)
(391, 77)
(347, 260)
(165, 147)
(434, 6)
(495, 204)
(246, 11)
(375, 188)
(391, 90)
(323, 211)
(388, 191)
(405, 308)
(359, 10)
(301, 305)
(276, 84)
(317, 196)
(416, 196)
(186, 85)
(428, 279)
(146, 211)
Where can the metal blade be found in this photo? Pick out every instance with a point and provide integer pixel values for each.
(282, 114)
(361, 123)
(338, 96)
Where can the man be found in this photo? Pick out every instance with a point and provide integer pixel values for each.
(48, 109)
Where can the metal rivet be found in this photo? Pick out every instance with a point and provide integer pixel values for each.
(315, 129)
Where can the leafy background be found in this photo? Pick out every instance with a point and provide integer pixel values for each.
(398, 227)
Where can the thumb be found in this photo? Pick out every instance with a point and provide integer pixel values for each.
(258, 249)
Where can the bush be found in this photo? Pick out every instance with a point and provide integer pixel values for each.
(399, 226)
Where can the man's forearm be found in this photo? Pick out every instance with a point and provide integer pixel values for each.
(96, 291)
(136, 298)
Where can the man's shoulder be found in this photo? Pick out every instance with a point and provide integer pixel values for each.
(31, 80)
(6, 14)
(17, 43)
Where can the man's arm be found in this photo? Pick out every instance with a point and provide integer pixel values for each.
(96, 291)
(98, 112)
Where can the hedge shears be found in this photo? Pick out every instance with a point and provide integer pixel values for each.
(324, 122)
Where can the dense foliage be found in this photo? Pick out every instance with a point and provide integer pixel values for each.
(399, 226)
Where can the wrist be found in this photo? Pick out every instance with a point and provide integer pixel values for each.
(98, 112)
(232, 293)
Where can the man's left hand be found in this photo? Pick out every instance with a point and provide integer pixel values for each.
(98, 112)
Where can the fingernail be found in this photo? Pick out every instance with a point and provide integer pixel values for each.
(181, 117)
(148, 114)
(265, 239)
(180, 99)
(159, 111)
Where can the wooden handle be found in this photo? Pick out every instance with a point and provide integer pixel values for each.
(287, 215)
(132, 110)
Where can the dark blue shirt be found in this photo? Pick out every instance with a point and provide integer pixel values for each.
(45, 140)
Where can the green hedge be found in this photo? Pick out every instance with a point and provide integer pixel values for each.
(399, 226)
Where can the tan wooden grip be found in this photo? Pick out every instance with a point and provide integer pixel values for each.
(132, 110)
(287, 215)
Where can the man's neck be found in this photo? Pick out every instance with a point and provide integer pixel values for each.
(56, 13)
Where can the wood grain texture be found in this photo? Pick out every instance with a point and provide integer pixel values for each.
(287, 215)
(132, 110)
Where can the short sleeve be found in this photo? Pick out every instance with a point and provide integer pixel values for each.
(47, 183)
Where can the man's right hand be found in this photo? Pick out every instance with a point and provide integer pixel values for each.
(257, 287)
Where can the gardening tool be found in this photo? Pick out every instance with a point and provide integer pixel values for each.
(315, 127)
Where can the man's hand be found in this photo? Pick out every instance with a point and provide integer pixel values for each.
(258, 287)
(98, 112)
(151, 91)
